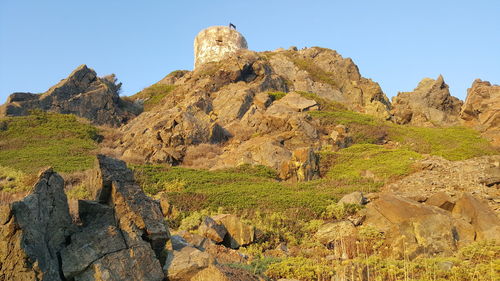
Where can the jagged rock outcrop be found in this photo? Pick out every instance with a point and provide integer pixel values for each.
(121, 236)
(228, 104)
(430, 104)
(481, 110)
(82, 93)
(34, 231)
(416, 229)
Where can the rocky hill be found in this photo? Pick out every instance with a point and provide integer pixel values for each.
(82, 93)
(282, 165)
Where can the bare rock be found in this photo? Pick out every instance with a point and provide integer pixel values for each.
(238, 233)
(341, 236)
(82, 93)
(429, 104)
(212, 230)
(137, 214)
(355, 197)
(482, 109)
(298, 103)
(184, 263)
(415, 228)
(303, 166)
(135, 263)
(34, 231)
(89, 246)
(441, 200)
(485, 222)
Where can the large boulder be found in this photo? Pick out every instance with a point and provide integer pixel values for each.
(341, 236)
(485, 222)
(238, 233)
(482, 109)
(303, 165)
(184, 262)
(416, 229)
(429, 104)
(82, 93)
(34, 231)
(137, 214)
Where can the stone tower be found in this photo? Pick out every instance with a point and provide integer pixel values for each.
(212, 43)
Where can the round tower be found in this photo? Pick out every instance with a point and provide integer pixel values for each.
(212, 43)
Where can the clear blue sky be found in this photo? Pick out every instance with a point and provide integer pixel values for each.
(396, 43)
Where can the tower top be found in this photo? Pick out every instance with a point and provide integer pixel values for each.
(213, 43)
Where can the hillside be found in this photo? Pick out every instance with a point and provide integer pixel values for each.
(279, 165)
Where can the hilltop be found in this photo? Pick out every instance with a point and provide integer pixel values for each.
(253, 166)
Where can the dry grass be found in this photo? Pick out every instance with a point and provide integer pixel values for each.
(202, 156)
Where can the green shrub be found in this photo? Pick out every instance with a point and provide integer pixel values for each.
(47, 139)
(12, 180)
(276, 95)
(152, 95)
(79, 192)
(300, 268)
(452, 143)
(340, 211)
(384, 163)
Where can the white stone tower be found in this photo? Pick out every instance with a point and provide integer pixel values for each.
(213, 43)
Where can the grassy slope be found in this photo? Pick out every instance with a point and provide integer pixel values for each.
(28, 143)
(152, 95)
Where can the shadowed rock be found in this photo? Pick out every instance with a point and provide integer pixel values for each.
(82, 93)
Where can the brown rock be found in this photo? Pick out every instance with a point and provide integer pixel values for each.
(429, 104)
(82, 93)
(485, 222)
(186, 262)
(238, 233)
(341, 236)
(298, 103)
(441, 200)
(355, 197)
(482, 109)
(303, 166)
(416, 228)
(212, 230)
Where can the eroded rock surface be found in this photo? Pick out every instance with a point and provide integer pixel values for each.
(430, 104)
(482, 109)
(121, 235)
(34, 231)
(229, 104)
(82, 93)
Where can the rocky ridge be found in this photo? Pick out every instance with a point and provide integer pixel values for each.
(82, 93)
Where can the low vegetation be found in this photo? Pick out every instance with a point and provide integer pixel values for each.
(42, 139)
(152, 95)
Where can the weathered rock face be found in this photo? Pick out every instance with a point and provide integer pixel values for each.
(341, 236)
(429, 104)
(328, 74)
(303, 166)
(424, 229)
(213, 43)
(238, 233)
(34, 231)
(121, 236)
(482, 109)
(227, 104)
(82, 93)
